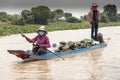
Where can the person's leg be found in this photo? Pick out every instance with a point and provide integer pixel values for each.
(29, 52)
(92, 31)
(96, 30)
(41, 51)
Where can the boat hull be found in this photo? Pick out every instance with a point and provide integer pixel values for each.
(58, 54)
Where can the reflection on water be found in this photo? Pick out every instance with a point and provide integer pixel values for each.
(37, 70)
(91, 65)
(81, 66)
(95, 73)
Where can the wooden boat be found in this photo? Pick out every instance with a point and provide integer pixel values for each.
(23, 55)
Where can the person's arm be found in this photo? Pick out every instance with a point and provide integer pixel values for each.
(99, 16)
(47, 43)
(28, 39)
(89, 17)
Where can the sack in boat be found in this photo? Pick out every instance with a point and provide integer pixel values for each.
(63, 46)
(71, 45)
(86, 42)
(78, 45)
(62, 43)
(89, 42)
(83, 43)
(100, 38)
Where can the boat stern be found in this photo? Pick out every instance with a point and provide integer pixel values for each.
(19, 53)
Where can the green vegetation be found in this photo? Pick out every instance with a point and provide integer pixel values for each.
(7, 29)
(43, 15)
(30, 20)
(109, 24)
(110, 10)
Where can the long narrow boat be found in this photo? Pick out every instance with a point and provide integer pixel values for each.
(23, 55)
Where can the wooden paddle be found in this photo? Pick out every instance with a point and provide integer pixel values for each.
(50, 50)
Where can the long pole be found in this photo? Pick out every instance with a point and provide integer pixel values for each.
(56, 54)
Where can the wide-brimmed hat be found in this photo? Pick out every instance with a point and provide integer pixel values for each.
(94, 5)
(42, 28)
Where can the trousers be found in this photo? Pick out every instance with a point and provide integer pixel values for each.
(94, 31)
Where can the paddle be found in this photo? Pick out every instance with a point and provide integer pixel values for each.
(47, 48)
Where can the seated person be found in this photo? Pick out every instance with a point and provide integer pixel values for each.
(41, 40)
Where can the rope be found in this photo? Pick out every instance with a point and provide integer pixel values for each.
(107, 39)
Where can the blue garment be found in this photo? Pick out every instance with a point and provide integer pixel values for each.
(94, 31)
(94, 28)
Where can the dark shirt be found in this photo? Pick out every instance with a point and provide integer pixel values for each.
(95, 13)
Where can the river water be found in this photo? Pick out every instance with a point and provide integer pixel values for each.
(99, 64)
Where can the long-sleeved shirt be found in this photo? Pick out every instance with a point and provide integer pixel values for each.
(41, 40)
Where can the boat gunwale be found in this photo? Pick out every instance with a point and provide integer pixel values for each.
(51, 55)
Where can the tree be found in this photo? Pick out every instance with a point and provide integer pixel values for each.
(41, 14)
(28, 16)
(114, 19)
(51, 16)
(83, 18)
(67, 15)
(9, 17)
(104, 18)
(73, 20)
(58, 13)
(118, 17)
(110, 10)
(3, 16)
(17, 20)
(20, 21)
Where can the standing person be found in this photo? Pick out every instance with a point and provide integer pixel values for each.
(41, 40)
(94, 17)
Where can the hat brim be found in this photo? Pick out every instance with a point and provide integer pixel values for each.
(42, 30)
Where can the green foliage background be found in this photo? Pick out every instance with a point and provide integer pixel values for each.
(30, 20)
(8, 29)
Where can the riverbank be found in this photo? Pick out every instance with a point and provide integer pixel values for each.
(8, 29)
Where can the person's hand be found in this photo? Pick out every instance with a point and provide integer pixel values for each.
(23, 35)
(41, 45)
(92, 22)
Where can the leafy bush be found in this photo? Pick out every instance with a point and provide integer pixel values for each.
(20, 21)
(4, 20)
(72, 20)
(41, 14)
(83, 18)
(104, 18)
(15, 29)
(110, 10)
(28, 16)
(17, 20)
(115, 18)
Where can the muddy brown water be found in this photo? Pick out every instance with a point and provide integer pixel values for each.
(98, 64)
